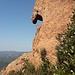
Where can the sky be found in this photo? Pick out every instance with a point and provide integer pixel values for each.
(16, 28)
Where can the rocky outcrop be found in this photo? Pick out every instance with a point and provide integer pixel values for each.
(55, 15)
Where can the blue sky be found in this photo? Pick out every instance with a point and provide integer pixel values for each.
(16, 28)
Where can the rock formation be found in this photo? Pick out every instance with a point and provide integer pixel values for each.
(55, 15)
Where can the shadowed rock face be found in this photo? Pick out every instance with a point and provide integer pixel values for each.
(36, 17)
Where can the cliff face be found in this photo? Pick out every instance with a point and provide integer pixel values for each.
(55, 15)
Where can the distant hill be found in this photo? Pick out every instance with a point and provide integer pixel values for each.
(8, 56)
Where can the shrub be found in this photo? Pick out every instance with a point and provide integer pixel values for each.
(12, 72)
(43, 54)
(66, 50)
(46, 68)
(29, 68)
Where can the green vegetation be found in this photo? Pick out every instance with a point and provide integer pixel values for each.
(66, 50)
(66, 56)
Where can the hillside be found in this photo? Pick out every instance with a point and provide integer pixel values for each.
(8, 56)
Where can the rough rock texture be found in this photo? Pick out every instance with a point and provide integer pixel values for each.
(55, 15)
